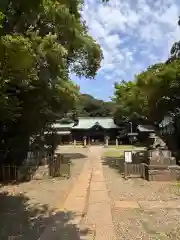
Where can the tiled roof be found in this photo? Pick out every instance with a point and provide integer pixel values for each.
(145, 128)
(61, 125)
(59, 132)
(63, 132)
(89, 122)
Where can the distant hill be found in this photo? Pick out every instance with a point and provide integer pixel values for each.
(87, 105)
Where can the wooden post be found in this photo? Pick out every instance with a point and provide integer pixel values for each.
(127, 160)
(116, 142)
(74, 142)
(125, 170)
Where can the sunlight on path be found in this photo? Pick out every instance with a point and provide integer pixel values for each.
(88, 204)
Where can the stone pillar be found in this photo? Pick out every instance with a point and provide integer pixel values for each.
(106, 141)
(85, 141)
(74, 142)
(117, 142)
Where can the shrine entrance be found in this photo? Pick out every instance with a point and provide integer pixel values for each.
(96, 139)
(96, 135)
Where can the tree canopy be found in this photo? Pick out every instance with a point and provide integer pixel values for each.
(41, 42)
(92, 107)
(152, 94)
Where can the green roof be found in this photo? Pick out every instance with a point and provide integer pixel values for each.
(58, 132)
(63, 132)
(145, 128)
(89, 122)
(61, 125)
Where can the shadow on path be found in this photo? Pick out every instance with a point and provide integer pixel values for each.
(74, 155)
(20, 220)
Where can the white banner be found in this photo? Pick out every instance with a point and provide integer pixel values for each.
(128, 156)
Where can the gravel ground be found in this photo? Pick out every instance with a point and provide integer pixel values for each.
(142, 222)
(25, 209)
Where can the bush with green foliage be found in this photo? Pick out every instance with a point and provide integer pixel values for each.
(41, 41)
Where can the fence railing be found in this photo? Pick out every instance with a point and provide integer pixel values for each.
(57, 166)
(134, 169)
(8, 172)
(60, 166)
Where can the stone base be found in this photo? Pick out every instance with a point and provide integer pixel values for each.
(159, 175)
(160, 157)
(162, 173)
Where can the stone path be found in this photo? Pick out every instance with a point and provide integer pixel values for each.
(99, 209)
(100, 205)
(89, 205)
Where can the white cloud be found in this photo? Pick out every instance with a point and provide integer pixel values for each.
(132, 33)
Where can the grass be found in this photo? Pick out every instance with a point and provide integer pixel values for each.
(112, 151)
(128, 147)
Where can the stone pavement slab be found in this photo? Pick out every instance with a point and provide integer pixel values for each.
(100, 196)
(87, 210)
(98, 186)
(97, 178)
(66, 222)
(99, 209)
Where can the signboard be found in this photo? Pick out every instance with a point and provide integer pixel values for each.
(128, 156)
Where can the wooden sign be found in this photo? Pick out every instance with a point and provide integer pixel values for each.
(128, 156)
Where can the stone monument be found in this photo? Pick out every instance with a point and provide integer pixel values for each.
(160, 165)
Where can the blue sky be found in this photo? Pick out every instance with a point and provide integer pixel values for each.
(133, 34)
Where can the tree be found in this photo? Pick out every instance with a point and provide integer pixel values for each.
(175, 50)
(41, 41)
(89, 106)
(152, 95)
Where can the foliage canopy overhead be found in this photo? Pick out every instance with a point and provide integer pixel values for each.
(41, 42)
(154, 93)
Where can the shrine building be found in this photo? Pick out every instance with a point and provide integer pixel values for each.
(96, 130)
